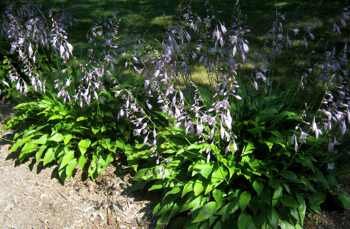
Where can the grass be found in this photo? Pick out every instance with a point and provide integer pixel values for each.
(148, 19)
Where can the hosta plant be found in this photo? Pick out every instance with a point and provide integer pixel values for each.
(53, 133)
(260, 181)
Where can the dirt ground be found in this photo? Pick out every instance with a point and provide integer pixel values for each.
(36, 200)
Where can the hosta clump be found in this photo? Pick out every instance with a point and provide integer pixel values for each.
(260, 181)
(53, 133)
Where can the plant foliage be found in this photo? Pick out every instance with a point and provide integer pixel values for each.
(245, 150)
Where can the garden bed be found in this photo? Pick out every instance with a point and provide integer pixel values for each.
(29, 198)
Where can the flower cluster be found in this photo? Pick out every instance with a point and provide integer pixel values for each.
(27, 29)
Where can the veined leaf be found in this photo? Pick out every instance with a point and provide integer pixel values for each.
(218, 196)
(193, 204)
(83, 145)
(49, 156)
(82, 161)
(202, 168)
(42, 140)
(219, 176)
(81, 118)
(68, 156)
(198, 187)
(188, 187)
(245, 221)
(67, 138)
(205, 212)
(258, 186)
(57, 137)
(70, 168)
(244, 200)
(277, 195)
(39, 153)
(155, 187)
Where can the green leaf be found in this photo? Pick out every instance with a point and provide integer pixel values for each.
(67, 138)
(42, 140)
(81, 118)
(120, 144)
(49, 156)
(82, 161)
(219, 176)
(57, 138)
(245, 221)
(18, 144)
(29, 147)
(344, 199)
(198, 187)
(316, 200)
(83, 145)
(55, 117)
(277, 195)
(244, 200)
(290, 176)
(68, 156)
(301, 208)
(205, 212)
(188, 187)
(273, 218)
(95, 130)
(229, 209)
(289, 201)
(203, 168)
(173, 191)
(249, 148)
(258, 187)
(285, 225)
(269, 145)
(218, 196)
(70, 168)
(155, 187)
(93, 167)
(192, 204)
(39, 153)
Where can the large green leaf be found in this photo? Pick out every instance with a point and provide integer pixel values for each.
(39, 153)
(245, 221)
(68, 156)
(70, 167)
(205, 212)
(56, 137)
(49, 156)
(219, 175)
(193, 203)
(83, 145)
(218, 196)
(198, 187)
(82, 161)
(188, 187)
(202, 168)
(344, 199)
(258, 187)
(277, 195)
(67, 138)
(244, 200)
(42, 140)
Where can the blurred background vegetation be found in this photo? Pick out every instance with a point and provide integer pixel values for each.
(148, 19)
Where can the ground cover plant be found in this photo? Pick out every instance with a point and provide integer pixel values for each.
(242, 150)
